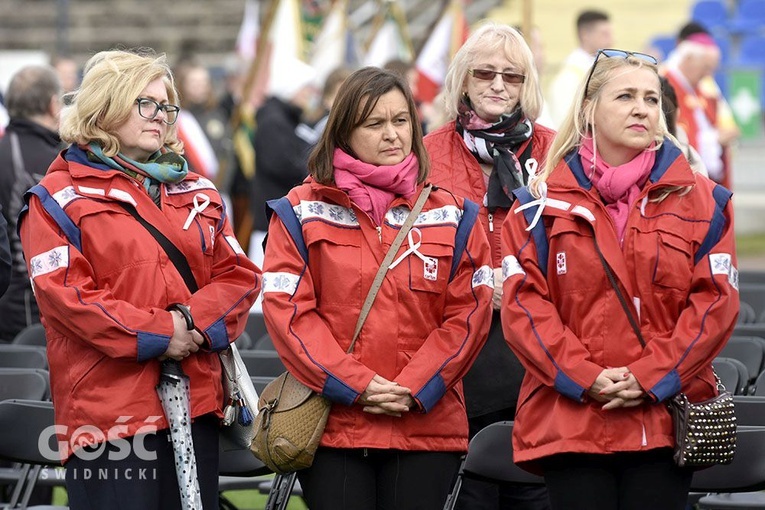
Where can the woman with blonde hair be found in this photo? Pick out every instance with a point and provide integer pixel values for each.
(112, 300)
(491, 146)
(620, 287)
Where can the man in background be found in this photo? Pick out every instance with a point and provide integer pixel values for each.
(594, 31)
(29, 146)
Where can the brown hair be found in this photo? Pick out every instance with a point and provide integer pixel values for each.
(357, 97)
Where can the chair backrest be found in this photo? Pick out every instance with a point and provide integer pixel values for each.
(244, 341)
(490, 457)
(264, 343)
(732, 373)
(24, 424)
(256, 325)
(33, 334)
(749, 351)
(750, 410)
(664, 43)
(750, 54)
(260, 382)
(235, 461)
(746, 314)
(24, 383)
(23, 356)
(754, 293)
(710, 13)
(747, 471)
(759, 385)
(262, 363)
(747, 276)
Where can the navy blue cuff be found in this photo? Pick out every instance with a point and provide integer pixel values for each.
(218, 336)
(667, 387)
(336, 391)
(567, 387)
(151, 345)
(431, 393)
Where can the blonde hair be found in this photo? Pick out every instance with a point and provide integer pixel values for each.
(111, 83)
(489, 39)
(580, 119)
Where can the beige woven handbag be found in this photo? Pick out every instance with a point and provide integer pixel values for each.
(291, 416)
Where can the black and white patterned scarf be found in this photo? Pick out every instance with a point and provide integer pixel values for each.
(497, 144)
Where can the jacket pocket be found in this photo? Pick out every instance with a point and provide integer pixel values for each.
(430, 273)
(335, 262)
(673, 262)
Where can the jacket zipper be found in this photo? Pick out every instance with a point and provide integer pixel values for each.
(379, 234)
(491, 222)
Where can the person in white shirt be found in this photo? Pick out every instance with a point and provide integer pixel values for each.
(594, 32)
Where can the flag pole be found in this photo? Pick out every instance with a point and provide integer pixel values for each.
(241, 203)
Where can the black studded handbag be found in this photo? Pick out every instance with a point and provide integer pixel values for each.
(705, 432)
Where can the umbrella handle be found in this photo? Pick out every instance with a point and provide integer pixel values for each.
(171, 367)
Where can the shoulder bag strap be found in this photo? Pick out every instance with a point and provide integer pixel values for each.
(387, 261)
(174, 254)
(619, 294)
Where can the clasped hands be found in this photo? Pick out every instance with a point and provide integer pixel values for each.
(184, 341)
(386, 397)
(617, 387)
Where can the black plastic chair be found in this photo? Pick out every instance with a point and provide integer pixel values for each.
(25, 424)
(24, 383)
(748, 350)
(238, 468)
(256, 325)
(262, 363)
(732, 373)
(490, 457)
(264, 343)
(747, 276)
(744, 476)
(23, 356)
(759, 386)
(33, 334)
(260, 382)
(754, 294)
(244, 341)
(746, 314)
(750, 410)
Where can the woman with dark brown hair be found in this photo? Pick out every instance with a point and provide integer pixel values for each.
(397, 426)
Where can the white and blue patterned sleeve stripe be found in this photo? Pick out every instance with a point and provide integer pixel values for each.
(483, 276)
(280, 282)
(511, 267)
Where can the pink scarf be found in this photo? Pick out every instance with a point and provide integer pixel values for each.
(618, 185)
(373, 187)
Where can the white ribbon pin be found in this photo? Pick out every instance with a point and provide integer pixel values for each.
(198, 208)
(430, 264)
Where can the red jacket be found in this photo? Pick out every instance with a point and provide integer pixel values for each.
(565, 323)
(422, 331)
(103, 283)
(455, 168)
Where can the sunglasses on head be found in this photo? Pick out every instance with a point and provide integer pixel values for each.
(613, 53)
(489, 75)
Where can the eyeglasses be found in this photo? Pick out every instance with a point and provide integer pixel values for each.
(489, 75)
(611, 53)
(148, 109)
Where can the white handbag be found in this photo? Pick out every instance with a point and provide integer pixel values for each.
(241, 399)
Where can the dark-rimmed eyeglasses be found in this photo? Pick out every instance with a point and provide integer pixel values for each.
(611, 53)
(489, 75)
(149, 108)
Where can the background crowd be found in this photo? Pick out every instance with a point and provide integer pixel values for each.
(487, 132)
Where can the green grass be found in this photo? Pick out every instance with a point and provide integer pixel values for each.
(750, 245)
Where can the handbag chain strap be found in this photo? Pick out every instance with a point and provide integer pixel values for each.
(619, 294)
(380, 276)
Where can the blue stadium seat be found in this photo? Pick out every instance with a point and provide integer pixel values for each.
(664, 44)
(751, 51)
(749, 17)
(713, 14)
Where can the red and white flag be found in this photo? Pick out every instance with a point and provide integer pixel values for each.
(437, 53)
